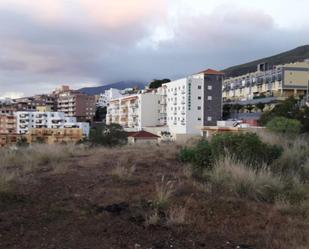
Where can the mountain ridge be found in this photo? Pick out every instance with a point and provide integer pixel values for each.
(119, 85)
(293, 55)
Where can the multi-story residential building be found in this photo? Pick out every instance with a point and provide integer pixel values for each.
(286, 80)
(55, 136)
(26, 121)
(107, 96)
(77, 104)
(135, 111)
(163, 103)
(9, 139)
(193, 102)
(8, 108)
(7, 124)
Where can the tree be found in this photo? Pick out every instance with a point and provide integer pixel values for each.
(22, 142)
(290, 109)
(108, 135)
(249, 107)
(284, 125)
(260, 106)
(158, 83)
(226, 110)
(100, 114)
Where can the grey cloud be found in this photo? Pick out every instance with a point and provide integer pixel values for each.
(37, 56)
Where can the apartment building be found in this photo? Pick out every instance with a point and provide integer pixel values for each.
(286, 80)
(107, 96)
(7, 124)
(55, 136)
(25, 121)
(135, 111)
(193, 102)
(9, 139)
(77, 104)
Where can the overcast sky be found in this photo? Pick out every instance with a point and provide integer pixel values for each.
(46, 43)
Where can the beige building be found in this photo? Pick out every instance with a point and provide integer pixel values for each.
(7, 124)
(55, 136)
(286, 80)
(9, 139)
(135, 111)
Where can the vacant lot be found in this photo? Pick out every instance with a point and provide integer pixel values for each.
(131, 197)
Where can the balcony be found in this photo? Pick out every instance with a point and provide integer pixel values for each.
(183, 102)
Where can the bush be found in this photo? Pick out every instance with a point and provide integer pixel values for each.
(247, 148)
(284, 125)
(108, 135)
(200, 156)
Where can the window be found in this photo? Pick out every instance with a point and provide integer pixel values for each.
(209, 97)
(199, 119)
(199, 87)
(209, 118)
(199, 97)
(199, 108)
(209, 87)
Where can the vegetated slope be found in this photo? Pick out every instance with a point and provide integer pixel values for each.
(106, 198)
(297, 54)
(119, 85)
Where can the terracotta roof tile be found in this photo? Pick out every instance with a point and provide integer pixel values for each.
(142, 134)
(212, 71)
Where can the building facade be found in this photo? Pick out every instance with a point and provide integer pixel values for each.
(135, 111)
(55, 136)
(286, 80)
(77, 104)
(193, 102)
(25, 121)
(107, 96)
(7, 124)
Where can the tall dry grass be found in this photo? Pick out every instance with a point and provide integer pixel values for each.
(20, 161)
(243, 181)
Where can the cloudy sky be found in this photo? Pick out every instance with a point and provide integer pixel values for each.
(46, 43)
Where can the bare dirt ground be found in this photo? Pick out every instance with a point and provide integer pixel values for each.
(85, 206)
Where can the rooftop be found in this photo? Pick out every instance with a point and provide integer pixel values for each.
(142, 134)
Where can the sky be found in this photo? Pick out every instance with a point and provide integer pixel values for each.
(47, 43)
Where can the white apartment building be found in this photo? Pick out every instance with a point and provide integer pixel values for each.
(107, 96)
(193, 102)
(135, 111)
(53, 120)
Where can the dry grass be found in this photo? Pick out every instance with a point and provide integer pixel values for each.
(176, 216)
(6, 181)
(246, 182)
(164, 191)
(153, 219)
(122, 172)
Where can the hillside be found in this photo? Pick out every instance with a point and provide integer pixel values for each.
(297, 54)
(119, 85)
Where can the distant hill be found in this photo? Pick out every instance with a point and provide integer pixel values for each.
(297, 54)
(119, 85)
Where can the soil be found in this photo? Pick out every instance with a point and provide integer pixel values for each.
(85, 207)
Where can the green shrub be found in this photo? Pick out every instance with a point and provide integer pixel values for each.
(284, 125)
(108, 135)
(200, 156)
(186, 155)
(244, 147)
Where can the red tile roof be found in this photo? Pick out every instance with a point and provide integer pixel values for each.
(142, 134)
(212, 71)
